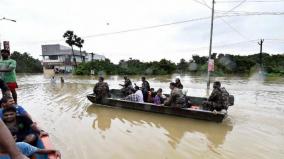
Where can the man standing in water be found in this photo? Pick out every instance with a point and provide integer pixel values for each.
(101, 90)
(7, 68)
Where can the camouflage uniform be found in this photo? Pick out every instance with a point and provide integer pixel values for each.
(215, 101)
(101, 90)
(179, 85)
(176, 99)
(127, 87)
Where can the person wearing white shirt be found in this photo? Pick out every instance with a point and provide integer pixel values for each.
(139, 94)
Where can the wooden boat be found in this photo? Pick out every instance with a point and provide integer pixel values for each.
(195, 112)
(43, 142)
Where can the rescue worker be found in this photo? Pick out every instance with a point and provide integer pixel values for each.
(101, 90)
(127, 86)
(176, 98)
(216, 99)
(178, 84)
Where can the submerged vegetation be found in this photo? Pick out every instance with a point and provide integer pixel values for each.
(224, 64)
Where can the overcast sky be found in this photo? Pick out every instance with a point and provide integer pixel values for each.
(44, 22)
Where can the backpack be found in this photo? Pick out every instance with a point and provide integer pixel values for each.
(225, 97)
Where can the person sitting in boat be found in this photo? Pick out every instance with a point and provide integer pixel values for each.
(101, 90)
(176, 98)
(218, 98)
(7, 102)
(7, 143)
(178, 84)
(21, 127)
(151, 95)
(136, 96)
(159, 97)
(127, 86)
(30, 150)
(145, 88)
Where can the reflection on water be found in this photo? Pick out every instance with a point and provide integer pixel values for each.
(83, 130)
(175, 127)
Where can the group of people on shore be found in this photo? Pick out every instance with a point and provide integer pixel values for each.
(16, 124)
(176, 98)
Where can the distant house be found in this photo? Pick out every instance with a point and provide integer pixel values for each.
(60, 58)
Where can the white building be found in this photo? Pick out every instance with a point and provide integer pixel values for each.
(60, 58)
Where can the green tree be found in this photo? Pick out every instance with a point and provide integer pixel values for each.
(71, 41)
(26, 63)
(79, 43)
(183, 65)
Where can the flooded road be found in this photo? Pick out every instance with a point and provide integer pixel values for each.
(254, 128)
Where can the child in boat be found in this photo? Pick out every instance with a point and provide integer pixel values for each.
(29, 150)
(158, 98)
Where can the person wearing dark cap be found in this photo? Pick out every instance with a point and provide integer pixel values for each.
(8, 69)
(176, 98)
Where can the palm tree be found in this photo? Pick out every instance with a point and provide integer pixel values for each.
(79, 43)
(70, 40)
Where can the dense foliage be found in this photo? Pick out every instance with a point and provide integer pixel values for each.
(224, 64)
(26, 63)
(129, 67)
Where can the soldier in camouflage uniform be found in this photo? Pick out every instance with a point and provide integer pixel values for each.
(127, 86)
(176, 98)
(215, 100)
(101, 90)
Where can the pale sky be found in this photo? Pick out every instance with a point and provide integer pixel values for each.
(45, 21)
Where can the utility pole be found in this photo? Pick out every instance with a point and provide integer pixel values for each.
(260, 54)
(92, 56)
(210, 45)
(7, 19)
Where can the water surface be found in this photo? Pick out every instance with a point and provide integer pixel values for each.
(80, 129)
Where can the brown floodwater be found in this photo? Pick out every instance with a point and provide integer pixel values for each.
(254, 128)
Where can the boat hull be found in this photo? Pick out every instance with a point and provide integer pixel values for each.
(149, 107)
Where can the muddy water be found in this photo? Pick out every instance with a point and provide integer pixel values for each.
(80, 129)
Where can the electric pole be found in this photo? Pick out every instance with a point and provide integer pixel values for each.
(210, 45)
(92, 55)
(260, 53)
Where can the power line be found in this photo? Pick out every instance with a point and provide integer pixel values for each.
(233, 1)
(221, 15)
(238, 5)
(146, 27)
(234, 29)
(204, 3)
